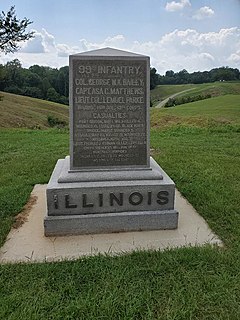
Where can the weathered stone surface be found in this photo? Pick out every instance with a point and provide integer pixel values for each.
(80, 198)
(113, 222)
(109, 100)
(151, 173)
(110, 183)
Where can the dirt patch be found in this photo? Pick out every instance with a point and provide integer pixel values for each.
(223, 120)
(164, 121)
(22, 217)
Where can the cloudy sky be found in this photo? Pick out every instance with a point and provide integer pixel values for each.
(179, 34)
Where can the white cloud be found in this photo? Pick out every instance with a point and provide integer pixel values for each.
(34, 45)
(206, 56)
(48, 40)
(177, 6)
(114, 42)
(234, 57)
(203, 13)
(63, 50)
(181, 49)
(184, 49)
(41, 43)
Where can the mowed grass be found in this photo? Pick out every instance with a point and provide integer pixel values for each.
(162, 92)
(203, 158)
(215, 89)
(219, 110)
(204, 163)
(27, 158)
(24, 112)
(194, 283)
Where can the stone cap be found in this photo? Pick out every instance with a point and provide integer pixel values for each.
(109, 52)
(119, 174)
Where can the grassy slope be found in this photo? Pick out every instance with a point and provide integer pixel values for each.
(24, 112)
(215, 89)
(163, 91)
(203, 157)
(223, 109)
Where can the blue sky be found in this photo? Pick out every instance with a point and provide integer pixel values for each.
(190, 34)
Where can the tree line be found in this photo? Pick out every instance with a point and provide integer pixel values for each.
(183, 77)
(38, 82)
(52, 84)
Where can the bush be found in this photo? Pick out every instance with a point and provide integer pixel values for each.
(33, 92)
(63, 100)
(14, 89)
(170, 103)
(182, 100)
(55, 122)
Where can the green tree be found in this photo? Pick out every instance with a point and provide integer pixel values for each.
(33, 80)
(170, 77)
(40, 70)
(63, 81)
(182, 76)
(13, 31)
(2, 76)
(45, 86)
(52, 95)
(33, 92)
(14, 75)
(169, 73)
(153, 78)
(224, 74)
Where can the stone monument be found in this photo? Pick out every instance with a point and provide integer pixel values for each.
(109, 183)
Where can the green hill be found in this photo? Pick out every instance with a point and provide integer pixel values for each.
(215, 89)
(218, 110)
(24, 112)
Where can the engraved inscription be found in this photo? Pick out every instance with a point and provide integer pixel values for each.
(114, 199)
(109, 113)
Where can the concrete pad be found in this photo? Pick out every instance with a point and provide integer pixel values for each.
(28, 243)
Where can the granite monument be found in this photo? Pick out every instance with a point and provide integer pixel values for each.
(109, 183)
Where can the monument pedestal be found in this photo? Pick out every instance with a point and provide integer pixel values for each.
(109, 201)
(109, 183)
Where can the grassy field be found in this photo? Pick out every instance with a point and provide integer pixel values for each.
(27, 158)
(219, 110)
(201, 152)
(162, 92)
(215, 89)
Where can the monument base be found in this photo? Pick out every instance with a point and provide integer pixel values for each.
(110, 222)
(78, 206)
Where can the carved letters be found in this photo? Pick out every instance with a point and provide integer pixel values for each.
(113, 199)
(109, 113)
